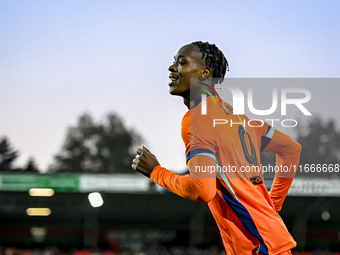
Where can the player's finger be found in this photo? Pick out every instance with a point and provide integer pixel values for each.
(134, 166)
(139, 151)
(135, 161)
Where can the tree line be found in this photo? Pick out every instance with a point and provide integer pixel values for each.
(105, 146)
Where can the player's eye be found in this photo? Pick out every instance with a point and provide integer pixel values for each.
(181, 62)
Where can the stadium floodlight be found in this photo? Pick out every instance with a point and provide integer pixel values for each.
(38, 211)
(40, 192)
(95, 199)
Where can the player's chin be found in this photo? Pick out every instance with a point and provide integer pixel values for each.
(172, 89)
(176, 87)
(172, 92)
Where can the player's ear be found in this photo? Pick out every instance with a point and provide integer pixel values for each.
(205, 72)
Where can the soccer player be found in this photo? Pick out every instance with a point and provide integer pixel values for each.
(218, 157)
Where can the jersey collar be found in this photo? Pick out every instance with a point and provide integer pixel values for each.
(198, 101)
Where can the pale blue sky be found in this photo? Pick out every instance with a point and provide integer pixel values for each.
(59, 59)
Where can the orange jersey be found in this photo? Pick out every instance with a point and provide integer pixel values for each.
(230, 146)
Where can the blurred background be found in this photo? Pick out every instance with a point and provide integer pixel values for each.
(84, 83)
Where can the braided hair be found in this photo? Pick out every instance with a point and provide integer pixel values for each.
(214, 59)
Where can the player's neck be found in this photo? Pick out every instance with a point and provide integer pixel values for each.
(191, 100)
(189, 103)
(196, 90)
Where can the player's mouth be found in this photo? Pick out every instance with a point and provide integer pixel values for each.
(173, 77)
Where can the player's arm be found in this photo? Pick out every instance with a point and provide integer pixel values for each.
(287, 152)
(199, 185)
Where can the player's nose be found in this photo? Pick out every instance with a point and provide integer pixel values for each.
(173, 67)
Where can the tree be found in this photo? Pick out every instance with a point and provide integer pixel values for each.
(7, 155)
(31, 166)
(97, 147)
(320, 143)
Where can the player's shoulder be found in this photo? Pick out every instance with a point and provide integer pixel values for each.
(187, 115)
(185, 130)
(186, 120)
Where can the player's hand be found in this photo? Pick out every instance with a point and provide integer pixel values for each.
(145, 161)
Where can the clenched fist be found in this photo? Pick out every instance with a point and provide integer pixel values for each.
(145, 161)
